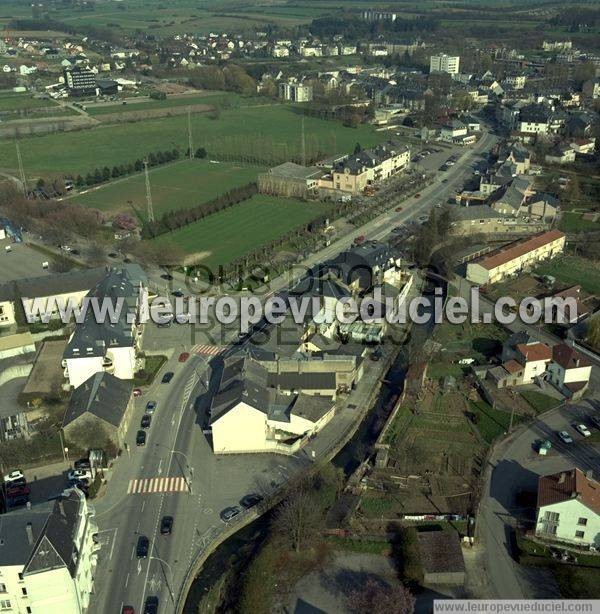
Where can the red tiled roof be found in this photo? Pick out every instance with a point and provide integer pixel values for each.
(512, 366)
(568, 357)
(535, 351)
(567, 485)
(518, 248)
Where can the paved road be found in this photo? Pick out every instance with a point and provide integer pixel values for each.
(178, 449)
(515, 467)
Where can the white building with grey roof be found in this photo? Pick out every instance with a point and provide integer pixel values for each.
(48, 557)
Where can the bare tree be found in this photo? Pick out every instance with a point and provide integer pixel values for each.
(376, 597)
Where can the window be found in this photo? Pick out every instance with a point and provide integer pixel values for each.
(551, 516)
(28, 609)
(579, 534)
(582, 522)
(24, 591)
(5, 604)
(2, 588)
(20, 576)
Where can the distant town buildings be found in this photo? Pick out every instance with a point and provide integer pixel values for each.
(295, 92)
(444, 63)
(80, 81)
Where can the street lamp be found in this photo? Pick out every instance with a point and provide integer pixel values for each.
(170, 587)
(188, 468)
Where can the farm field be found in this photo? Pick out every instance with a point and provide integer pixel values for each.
(174, 186)
(22, 101)
(271, 135)
(233, 232)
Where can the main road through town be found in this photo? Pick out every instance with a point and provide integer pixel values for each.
(176, 474)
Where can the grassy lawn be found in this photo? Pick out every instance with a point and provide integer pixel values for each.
(229, 234)
(151, 368)
(174, 186)
(491, 423)
(274, 131)
(571, 270)
(16, 101)
(366, 546)
(539, 402)
(573, 222)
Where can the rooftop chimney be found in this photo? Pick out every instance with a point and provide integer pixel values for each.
(29, 531)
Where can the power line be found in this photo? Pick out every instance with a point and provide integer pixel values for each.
(21, 169)
(190, 138)
(148, 193)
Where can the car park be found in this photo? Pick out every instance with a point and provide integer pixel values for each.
(582, 429)
(140, 438)
(565, 437)
(166, 525)
(229, 513)
(142, 547)
(167, 377)
(151, 407)
(145, 422)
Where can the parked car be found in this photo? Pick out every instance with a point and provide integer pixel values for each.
(13, 476)
(398, 209)
(151, 407)
(141, 549)
(167, 377)
(17, 490)
(184, 356)
(82, 463)
(178, 293)
(140, 438)
(417, 195)
(137, 392)
(166, 525)
(229, 513)
(127, 609)
(145, 422)
(565, 437)
(583, 430)
(250, 500)
(79, 474)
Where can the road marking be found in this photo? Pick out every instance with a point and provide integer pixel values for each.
(144, 486)
(127, 580)
(209, 350)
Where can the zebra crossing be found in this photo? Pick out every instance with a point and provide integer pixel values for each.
(208, 350)
(145, 486)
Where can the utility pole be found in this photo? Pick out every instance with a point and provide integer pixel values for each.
(190, 138)
(148, 193)
(303, 144)
(21, 169)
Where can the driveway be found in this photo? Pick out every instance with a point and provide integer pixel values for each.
(515, 467)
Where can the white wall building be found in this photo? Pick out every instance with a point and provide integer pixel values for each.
(568, 508)
(444, 63)
(48, 557)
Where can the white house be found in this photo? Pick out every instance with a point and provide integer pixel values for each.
(48, 557)
(110, 346)
(568, 508)
(444, 63)
(569, 371)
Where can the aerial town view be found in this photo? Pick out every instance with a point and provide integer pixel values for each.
(299, 306)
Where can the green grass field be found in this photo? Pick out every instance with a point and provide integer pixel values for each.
(229, 234)
(17, 101)
(174, 186)
(571, 270)
(211, 98)
(573, 222)
(250, 130)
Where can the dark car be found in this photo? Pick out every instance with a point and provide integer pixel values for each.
(178, 293)
(128, 609)
(167, 276)
(151, 407)
(141, 550)
(167, 377)
(113, 255)
(151, 605)
(140, 438)
(146, 420)
(229, 513)
(166, 525)
(250, 500)
(82, 463)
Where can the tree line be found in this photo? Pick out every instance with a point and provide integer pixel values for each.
(172, 220)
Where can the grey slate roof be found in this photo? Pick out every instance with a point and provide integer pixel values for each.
(475, 212)
(103, 395)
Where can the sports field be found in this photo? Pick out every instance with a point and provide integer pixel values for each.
(229, 234)
(251, 131)
(17, 101)
(212, 98)
(174, 186)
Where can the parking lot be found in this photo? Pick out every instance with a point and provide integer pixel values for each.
(21, 262)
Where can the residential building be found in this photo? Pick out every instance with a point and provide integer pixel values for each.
(48, 557)
(279, 51)
(483, 219)
(444, 63)
(291, 180)
(80, 81)
(103, 403)
(557, 45)
(560, 154)
(569, 371)
(295, 92)
(584, 147)
(441, 558)
(515, 257)
(568, 508)
(109, 346)
(591, 88)
(376, 15)
(311, 51)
